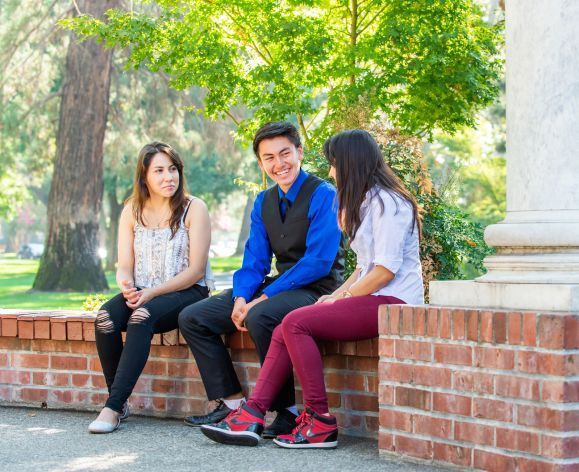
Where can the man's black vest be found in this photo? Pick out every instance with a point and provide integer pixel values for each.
(288, 237)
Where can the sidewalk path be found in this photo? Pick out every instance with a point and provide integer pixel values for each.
(57, 441)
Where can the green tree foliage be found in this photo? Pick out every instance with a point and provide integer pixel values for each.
(414, 65)
(143, 108)
(426, 64)
(450, 241)
(470, 165)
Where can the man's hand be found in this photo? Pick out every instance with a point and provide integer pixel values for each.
(237, 314)
(241, 309)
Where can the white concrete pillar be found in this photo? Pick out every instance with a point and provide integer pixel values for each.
(537, 261)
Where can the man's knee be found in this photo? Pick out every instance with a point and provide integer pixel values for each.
(259, 323)
(186, 317)
(193, 317)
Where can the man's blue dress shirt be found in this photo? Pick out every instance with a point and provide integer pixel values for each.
(322, 243)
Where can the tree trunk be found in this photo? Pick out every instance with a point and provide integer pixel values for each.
(115, 209)
(245, 223)
(70, 260)
(9, 237)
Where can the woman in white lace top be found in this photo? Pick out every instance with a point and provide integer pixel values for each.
(164, 238)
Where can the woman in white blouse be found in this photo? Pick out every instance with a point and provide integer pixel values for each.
(381, 220)
(164, 238)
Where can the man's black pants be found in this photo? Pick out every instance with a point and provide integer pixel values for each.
(203, 323)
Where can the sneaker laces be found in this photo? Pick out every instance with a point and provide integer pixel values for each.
(302, 421)
(234, 412)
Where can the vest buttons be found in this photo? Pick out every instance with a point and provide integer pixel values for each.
(282, 236)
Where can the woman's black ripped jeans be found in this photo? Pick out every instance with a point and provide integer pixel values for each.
(122, 365)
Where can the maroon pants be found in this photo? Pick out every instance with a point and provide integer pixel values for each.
(293, 344)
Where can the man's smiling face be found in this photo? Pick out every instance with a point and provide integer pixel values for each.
(280, 159)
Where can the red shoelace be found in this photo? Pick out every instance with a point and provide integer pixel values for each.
(302, 421)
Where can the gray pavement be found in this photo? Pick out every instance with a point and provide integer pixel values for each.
(58, 441)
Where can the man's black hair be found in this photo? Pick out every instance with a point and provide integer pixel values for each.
(275, 129)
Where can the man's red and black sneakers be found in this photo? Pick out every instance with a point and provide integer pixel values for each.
(312, 431)
(242, 427)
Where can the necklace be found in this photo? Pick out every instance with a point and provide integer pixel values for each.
(164, 217)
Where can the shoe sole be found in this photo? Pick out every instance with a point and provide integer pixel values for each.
(265, 435)
(322, 445)
(192, 425)
(235, 438)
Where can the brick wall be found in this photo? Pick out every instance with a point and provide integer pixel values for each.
(49, 359)
(492, 390)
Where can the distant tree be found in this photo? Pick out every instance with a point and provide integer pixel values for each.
(144, 108)
(32, 51)
(70, 260)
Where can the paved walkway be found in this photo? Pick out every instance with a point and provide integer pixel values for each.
(57, 441)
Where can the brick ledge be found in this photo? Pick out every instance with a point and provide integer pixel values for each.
(68, 325)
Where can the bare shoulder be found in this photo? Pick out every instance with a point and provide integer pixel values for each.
(127, 215)
(197, 211)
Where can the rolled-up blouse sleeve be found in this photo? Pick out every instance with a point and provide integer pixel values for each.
(390, 229)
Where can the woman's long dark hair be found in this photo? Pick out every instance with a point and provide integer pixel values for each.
(360, 167)
(141, 192)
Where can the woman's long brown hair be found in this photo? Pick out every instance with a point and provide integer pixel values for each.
(141, 192)
(360, 167)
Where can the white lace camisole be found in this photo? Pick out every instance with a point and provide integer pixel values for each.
(158, 257)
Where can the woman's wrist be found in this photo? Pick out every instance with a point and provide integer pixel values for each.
(342, 293)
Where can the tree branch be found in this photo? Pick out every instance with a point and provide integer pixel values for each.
(269, 59)
(76, 8)
(362, 13)
(14, 47)
(362, 29)
(353, 38)
(230, 115)
(303, 129)
(240, 25)
(40, 103)
(315, 116)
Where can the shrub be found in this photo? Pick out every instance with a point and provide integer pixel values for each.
(451, 241)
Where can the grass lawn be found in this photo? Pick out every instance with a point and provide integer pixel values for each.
(225, 264)
(17, 276)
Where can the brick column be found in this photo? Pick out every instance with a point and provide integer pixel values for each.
(488, 389)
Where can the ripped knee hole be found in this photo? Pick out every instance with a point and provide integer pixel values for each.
(104, 323)
(140, 315)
